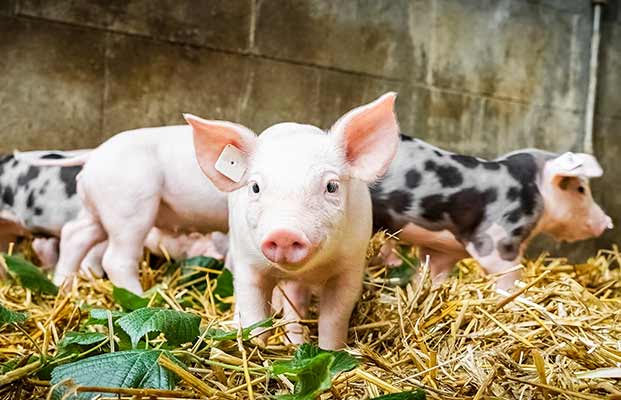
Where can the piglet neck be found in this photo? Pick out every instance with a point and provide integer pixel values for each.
(552, 226)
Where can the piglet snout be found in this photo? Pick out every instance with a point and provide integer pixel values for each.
(603, 223)
(285, 246)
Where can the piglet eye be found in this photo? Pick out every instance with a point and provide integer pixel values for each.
(255, 188)
(581, 189)
(332, 187)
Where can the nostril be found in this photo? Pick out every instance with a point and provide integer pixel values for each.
(297, 246)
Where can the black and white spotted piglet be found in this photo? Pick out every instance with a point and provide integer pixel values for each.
(454, 206)
(36, 200)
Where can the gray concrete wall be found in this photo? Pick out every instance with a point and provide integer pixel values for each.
(478, 76)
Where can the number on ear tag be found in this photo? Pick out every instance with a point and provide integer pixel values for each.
(231, 163)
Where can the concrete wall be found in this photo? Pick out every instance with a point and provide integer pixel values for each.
(479, 76)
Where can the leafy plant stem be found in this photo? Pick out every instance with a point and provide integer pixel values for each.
(79, 355)
(19, 373)
(110, 332)
(16, 325)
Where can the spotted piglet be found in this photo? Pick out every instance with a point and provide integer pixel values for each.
(300, 210)
(26, 192)
(38, 196)
(454, 206)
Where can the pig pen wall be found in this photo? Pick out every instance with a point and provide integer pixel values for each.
(478, 76)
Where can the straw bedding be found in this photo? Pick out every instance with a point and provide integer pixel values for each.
(462, 340)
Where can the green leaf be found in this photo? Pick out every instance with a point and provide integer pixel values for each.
(123, 369)
(29, 276)
(402, 274)
(128, 300)
(313, 370)
(81, 339)
(189, 272)
(224, 289)
(200, 261)
(178, 327)
(219, 334)
(417, 394)
(312, 377)
(99, 316)
(10, 365)
(224, 280)
(7, 316)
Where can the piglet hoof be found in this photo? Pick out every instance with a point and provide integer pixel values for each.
(438, 280)
(260, 341)
(294, 334)
(63, 282)
(507, 282)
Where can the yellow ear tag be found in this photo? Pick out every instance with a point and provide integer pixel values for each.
(231, 163)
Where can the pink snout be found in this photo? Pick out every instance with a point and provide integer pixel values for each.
(603, 223)
(284, 246)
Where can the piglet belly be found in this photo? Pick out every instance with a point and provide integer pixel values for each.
(197, 219)
(442, 241)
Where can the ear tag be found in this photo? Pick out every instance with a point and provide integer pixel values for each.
(231, 163)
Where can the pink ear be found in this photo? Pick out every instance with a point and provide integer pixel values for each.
(369, 135)
(210, 138)
(573, 165)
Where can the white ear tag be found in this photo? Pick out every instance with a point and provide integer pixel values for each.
(231, 163)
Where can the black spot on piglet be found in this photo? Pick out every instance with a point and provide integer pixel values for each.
(513, 193)
(7, 196)
(449, 176)
(467, 208)
(433, 207)
(31, 174)
(30, 200)
(400, 200)
(67, 175)
(484, 244)
(53, 156)
(466, 161)
(430, 165)
(412, 178)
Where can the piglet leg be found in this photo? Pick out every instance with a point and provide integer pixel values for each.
(495, 264)
(336, 303)
(253, 293)
(440, 264)
(295, 302)
(76, 238)
(46, 250)
(91, 266)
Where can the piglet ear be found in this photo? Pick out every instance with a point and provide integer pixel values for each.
(574, 165)
(369, 136)
(210, 139)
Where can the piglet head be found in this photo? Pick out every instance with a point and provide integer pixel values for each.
(570, 210)
(297, 183)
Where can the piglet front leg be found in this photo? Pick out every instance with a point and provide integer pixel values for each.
(336, 303)
(295, 303)
(253, 292)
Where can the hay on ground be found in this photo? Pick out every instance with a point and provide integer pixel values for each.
(559, 337)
